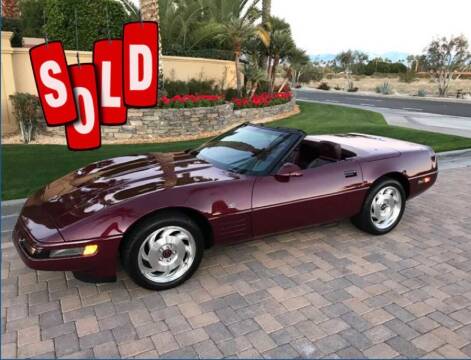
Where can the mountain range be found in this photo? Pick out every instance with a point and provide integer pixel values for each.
(391, 55)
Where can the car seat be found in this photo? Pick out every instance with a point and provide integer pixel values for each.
(328, 152)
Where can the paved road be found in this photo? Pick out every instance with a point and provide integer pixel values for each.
(325, 291)
(426, 106)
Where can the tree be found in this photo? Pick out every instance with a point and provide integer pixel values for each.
(446, 59)
(280, 47)
(299, 63)
(150, 11)
(253, 75)
(32, 18)
(92, 21)
(345, 60)
(131, 9)
(266, 13)
(417, 63)
(10, 8)
(238, 27)
(352, 62)
(180, 24)
(311, 72)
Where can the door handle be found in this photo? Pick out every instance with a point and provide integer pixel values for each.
(350, 173)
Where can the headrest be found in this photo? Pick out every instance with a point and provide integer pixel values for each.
(330, 150)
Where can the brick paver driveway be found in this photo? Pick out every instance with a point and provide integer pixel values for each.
(328, 291)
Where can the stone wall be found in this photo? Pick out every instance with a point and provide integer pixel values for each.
(174, 123)
(162, 125)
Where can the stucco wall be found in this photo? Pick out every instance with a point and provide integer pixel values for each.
(17, 74)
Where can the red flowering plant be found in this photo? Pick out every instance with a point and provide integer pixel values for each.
(262, 100)
(190, 101)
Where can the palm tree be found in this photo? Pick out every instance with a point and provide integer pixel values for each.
(346, 59)
(281, 43)
(254, 75)
(150, 11)
(180, 24)
(233, 22)
(131, 8)
(266, 12)
(298, 61)
(10, 8)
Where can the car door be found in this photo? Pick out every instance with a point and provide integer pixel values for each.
(320, 195)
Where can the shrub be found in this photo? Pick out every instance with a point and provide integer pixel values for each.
(230, 94)
(262, 100)
(286, 88)
(384, 67)
(337, 87)
(177, 87)
(219, 54)
(422, 93)
(407, 76)
(351, 87)
(192, 87)
(27, 112)
(92, 21)
(311, 73)
(190, 101)
(263, 87)
(385, 88)
(323, 86)
(201, 87)
(15, 26)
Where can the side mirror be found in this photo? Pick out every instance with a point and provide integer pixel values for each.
(288, 170)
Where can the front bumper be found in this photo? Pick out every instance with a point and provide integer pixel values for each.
(35, 254)
(421, 183)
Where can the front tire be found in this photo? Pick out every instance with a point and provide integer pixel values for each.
(383, 208)
(164, 251)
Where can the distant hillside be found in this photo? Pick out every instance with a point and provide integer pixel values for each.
(391, 55)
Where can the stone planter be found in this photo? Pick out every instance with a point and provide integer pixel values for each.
(162, 125)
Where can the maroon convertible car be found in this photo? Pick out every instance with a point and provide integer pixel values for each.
(159, 211)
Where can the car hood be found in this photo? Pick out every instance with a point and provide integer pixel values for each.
(111, 181)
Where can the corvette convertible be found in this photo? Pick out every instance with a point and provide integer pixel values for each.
(158, 212)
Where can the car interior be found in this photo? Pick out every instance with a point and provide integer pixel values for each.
(312, 154)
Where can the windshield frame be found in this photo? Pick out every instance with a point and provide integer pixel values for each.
(295, 137)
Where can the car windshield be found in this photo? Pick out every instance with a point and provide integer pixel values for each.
(247, 149)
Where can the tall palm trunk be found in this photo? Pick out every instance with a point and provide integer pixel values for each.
(237, 51)
(266, 18)
(266, 11)
(150, 12)
(276, 61)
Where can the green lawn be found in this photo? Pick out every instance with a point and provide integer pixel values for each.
(25, 168)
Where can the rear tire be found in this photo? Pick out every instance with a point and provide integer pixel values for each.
(164, 251)
(382, 209)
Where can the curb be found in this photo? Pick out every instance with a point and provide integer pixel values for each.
(453, 152)
(14, 202)
(405, 97)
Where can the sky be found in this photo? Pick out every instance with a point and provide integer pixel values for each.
(373, 26)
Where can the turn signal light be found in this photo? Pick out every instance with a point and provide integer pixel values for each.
(425, 180)
(69, 252)
(90, 250)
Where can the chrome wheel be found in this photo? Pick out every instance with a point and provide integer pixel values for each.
(386, 207)
(166, 254)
